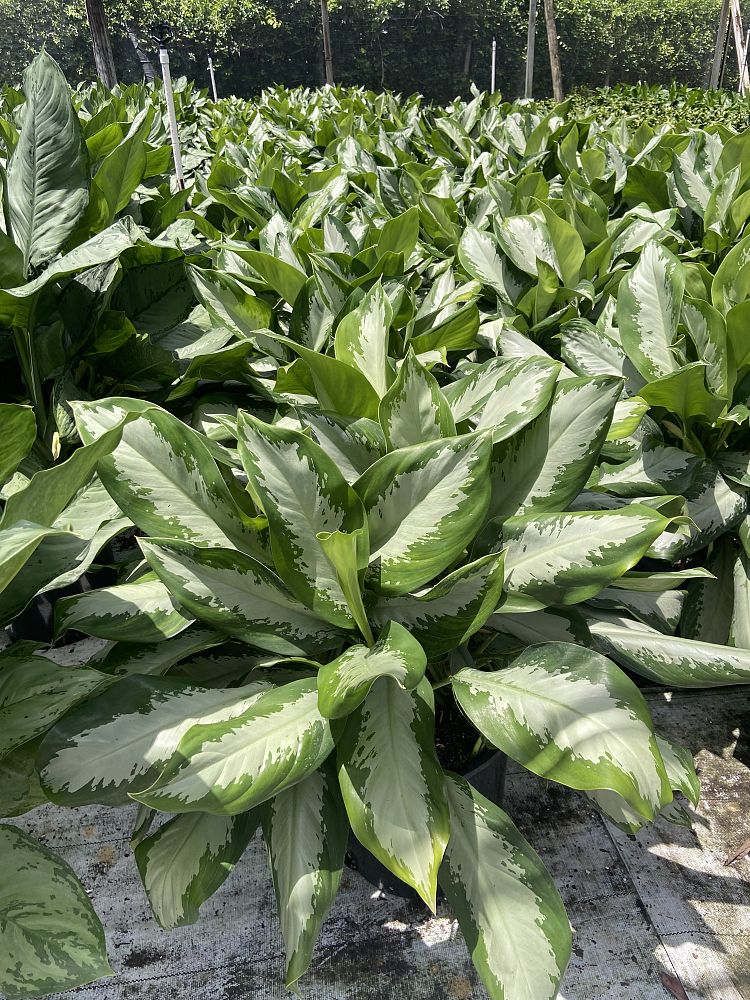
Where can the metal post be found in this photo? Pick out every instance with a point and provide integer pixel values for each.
(722, 33)
(327, 52)
(494, 63)
(531, 37)
(213, 78)
(174, 135)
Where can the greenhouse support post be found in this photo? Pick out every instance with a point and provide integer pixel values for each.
(327, 53)
(174, 135)
(529, 82)
(720, 47)
(493, 65)
(212, 77)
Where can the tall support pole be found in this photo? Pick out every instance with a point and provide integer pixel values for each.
(212, 77)
(105, 63)
(739, 45)
(554, 50)
(327, 52)
(173, 133)
(530, 39)
(719, 48)
(493, 66)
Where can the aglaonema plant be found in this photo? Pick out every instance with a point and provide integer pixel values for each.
(315, 624)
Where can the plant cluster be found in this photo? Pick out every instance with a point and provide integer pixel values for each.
(393, 413)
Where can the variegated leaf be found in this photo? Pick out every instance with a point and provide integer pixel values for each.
(648, 312)
(305, 828)
(303, 494)
(119, 741)
(362, 339)
(164, 477)
(35, 693)
(480, 258)
(343, 683)
(392, 784)
(525, 239)
(424, 505)
(570, 715)
(235, 594)
(567, 558)
(546, 465)
(353, 445)
(233, 764)
(52, 940)
(661, 610)
(506, 903)
(414, 409)
(709, 605)
(143, 611)
(155, 658)
(185, 861)
(450, 612)
(668, 659)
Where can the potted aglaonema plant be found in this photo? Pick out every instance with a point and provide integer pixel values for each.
(369, 607)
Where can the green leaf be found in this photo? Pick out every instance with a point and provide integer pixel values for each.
(400, 235)
(668, 659)
(48, 171)
(52, 940)
(505, 900)
(35, 693)
(392, 784)
(185, 861)
(348, 554)
(305, 828)
(235, 594)
(504, 395)
(570, 715)
(302, 494)
(424, 505)
(164, 477)
(449, 613)
(343, 684)
(648, 311)
(479, 257)
(362, 339)
(684, 392)
(231, 765)
(414, 410)
(230, 303)
(19, 433)
(119, 741)
(122, 169)
(143, 611)
(284, 278)
(566, 558)
(546, 465)
(340, 387)
(19, 542)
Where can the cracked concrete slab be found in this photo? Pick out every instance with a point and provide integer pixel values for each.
(648, 910)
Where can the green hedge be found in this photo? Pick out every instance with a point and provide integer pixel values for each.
(400, 44)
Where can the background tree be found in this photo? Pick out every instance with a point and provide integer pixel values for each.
(105, 63)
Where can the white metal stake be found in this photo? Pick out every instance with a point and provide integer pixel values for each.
(174, 135)
(213, 78)
(494, 63)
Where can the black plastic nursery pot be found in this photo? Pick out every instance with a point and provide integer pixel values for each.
(486, 772)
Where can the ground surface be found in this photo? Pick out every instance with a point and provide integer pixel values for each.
(655, 917)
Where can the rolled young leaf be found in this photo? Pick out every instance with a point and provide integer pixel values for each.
(506, 903)
(569, 714)
(414, 409)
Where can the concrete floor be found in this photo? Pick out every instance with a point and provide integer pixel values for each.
(655, 916)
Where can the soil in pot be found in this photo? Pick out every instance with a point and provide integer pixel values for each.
(455, 740)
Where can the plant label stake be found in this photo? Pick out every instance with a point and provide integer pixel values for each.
(161, 35)
(494, 63)
(211, 75)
